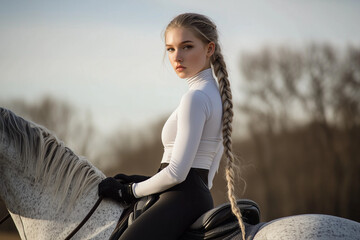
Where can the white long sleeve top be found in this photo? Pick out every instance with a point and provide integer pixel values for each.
(192, 136)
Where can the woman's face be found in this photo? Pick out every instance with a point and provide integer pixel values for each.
(188, 55)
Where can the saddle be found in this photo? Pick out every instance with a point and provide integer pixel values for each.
(217, 223)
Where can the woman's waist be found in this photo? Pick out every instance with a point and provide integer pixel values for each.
(201, 172)
(203, 161)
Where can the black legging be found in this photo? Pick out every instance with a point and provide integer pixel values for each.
(174, 212)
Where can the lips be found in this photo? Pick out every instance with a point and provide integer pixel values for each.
(179, 68)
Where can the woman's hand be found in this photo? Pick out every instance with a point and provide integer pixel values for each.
(130, 178)
(113, 189)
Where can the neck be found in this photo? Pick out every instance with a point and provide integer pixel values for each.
(37, 215)
(37, 172)
(203, 76)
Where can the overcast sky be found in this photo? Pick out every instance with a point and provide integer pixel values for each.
(107, 57)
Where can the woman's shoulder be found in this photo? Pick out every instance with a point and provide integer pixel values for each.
(196, 101)
(195, 96)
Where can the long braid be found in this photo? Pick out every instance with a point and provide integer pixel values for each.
(206, 30)
(226, 97)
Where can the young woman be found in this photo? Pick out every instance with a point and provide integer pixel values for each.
(195, 137)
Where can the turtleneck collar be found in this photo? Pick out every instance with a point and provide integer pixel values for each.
(205, 75)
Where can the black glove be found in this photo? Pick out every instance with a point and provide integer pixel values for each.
(130, 178)
(111, 188)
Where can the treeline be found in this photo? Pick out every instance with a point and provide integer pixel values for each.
(303, 117)
(75, 128)
(300, 109)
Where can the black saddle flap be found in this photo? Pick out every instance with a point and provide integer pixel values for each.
(141, 206)
(222, 215)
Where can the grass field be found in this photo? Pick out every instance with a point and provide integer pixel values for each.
(9, 236)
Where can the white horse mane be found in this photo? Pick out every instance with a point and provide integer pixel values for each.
(48, 159)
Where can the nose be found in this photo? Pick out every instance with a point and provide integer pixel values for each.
(178, 57)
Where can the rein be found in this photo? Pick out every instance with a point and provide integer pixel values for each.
(85, 219)
(96, 205)
(5, 218)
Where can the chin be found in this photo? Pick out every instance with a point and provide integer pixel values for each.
(182, 75)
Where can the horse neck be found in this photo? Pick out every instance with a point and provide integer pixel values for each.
(37, 214)
(59, 225)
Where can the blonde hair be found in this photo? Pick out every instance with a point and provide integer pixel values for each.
(206, 30)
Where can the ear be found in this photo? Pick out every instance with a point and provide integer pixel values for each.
(210, 49)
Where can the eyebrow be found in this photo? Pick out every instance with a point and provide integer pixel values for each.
(183, 42)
